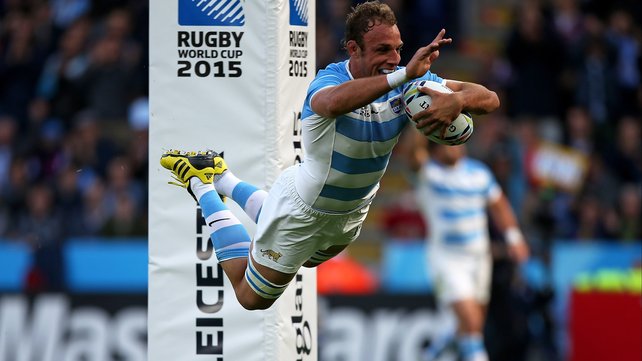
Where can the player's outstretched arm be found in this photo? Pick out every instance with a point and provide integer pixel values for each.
(351, 95)
(421, 62)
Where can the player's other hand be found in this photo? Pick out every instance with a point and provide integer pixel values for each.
(519, 252)
(440, 114)
(424, 56)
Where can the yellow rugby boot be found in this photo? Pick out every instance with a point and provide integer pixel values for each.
(185, 165)
(220, 166)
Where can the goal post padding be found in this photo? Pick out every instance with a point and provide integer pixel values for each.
(228, 75)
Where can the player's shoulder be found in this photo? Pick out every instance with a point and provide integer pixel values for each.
(332, 74)
(338, 68)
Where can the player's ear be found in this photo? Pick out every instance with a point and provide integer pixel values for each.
(353, 48)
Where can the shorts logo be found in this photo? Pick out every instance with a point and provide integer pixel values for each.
(273, 255)
(211, 12)
(299, 12)
(395, 105)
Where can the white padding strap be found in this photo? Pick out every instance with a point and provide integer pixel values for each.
(397, 78)
(513, 235)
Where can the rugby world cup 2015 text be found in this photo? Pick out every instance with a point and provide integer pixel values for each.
(208, 54)
(298, 62)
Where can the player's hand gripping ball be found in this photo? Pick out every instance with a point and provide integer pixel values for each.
(415, 101)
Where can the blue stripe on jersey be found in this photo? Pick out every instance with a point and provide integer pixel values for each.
(451, 214)
(364, 131)
(446, 191)
(349, 165)
(461, 238)
(345, 194)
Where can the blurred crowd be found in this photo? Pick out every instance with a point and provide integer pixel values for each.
(74, 113)
(73, 125)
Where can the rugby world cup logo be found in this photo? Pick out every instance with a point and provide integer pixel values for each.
(299, 12)
(211, 12)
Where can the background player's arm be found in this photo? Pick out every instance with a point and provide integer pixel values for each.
(412, 148)
(505, 220)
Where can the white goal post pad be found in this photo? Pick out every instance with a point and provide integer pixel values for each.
(228, 75)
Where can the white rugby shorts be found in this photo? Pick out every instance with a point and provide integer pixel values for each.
(460, 274)
(289, 231)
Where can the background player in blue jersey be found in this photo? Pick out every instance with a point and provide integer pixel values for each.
(351, 119)
(456, 193)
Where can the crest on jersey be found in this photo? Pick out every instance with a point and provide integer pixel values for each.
(395, 105)
(211, 12)
(299, 12)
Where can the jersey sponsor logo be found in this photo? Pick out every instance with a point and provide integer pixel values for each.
(299, 12)
(211, 12)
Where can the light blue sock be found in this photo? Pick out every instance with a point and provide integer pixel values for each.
(471, 347)
(246, 195)
(438, 345)
(229, 237)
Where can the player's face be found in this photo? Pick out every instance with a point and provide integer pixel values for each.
(380, 53)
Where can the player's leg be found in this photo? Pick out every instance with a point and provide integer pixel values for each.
(457, 283)
(231, 242)
(471, 310)
(246, 195)
(470, 319)
(256, 287)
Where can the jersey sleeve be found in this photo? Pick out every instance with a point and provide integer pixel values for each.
(327, 77)
(494, 191)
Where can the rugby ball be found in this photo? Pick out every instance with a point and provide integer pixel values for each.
(415, 101)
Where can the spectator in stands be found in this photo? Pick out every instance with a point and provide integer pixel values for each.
(536, 55)
(42, 227)
(21, 58)
(628, 55)
(624, 154)
(125, 220)
(630, 213)
(63, 69)
(69, 198)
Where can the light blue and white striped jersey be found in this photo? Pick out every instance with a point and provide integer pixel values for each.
(345, 157)
(454, 201)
